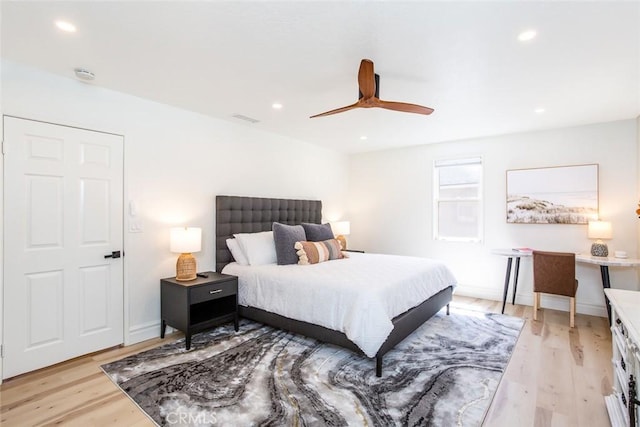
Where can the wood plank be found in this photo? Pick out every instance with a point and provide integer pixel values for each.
(563, 373)
(556, 376)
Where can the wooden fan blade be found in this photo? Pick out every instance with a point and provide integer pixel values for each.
(366, 79)
(404, 107)
(369, 97)
(337, 110)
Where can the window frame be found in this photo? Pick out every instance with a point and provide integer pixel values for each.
(479, 199)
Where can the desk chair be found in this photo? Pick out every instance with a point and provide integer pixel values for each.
(554, 273)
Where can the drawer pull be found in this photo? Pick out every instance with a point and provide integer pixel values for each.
(216, 291)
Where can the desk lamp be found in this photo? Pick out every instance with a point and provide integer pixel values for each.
(341, 229)
(599, 230)
(185, 240)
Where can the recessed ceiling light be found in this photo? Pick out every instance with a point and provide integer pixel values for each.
(539, 110)
(276, 106)
(363, 137)
(66, 26)
(527, 35)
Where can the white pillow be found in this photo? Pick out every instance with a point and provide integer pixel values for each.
(259, 248)
(236, 251)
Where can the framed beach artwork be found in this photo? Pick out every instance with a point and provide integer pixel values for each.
(553, 195)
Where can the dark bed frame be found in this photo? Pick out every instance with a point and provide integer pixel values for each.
(253, 214)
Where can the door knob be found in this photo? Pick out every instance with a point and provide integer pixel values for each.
(114, 254)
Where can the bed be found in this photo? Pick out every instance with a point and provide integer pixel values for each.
(253, 215)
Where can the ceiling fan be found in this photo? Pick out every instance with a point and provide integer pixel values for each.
(369, 84)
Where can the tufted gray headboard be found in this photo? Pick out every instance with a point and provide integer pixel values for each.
(253, 214)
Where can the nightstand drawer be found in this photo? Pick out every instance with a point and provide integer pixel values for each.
(213, 291)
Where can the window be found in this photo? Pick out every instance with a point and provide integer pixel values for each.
(457, 204)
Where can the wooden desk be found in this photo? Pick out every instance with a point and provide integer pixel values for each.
(511, 254)
(605, 263)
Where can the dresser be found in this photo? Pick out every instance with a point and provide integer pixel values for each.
(622, 403)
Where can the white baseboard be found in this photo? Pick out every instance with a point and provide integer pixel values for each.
(547, 301)
(143, 332)
(476, 292)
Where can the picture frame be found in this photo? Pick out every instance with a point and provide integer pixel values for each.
(553, 195)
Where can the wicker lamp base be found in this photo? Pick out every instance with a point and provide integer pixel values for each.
(343, 241)
(599, 249)
(185, 268)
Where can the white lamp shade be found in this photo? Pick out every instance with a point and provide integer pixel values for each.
(186, 240)
(341, 228)
(600, 230)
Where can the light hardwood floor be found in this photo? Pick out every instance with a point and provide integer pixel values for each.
(556, 377)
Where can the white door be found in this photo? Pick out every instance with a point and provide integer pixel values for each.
(62, 215)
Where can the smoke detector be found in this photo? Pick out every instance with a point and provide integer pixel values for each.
(83, 74)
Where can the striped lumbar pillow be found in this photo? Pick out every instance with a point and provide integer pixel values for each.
(315, 252)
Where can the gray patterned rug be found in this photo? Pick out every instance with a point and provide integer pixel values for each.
(444, 374)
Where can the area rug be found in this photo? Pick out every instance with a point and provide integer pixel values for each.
(444, 374)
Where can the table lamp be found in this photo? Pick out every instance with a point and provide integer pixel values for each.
(341, 229)
(599, 230)
(185, 240)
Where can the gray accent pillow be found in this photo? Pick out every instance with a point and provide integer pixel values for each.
(286, 237)
(317, 232)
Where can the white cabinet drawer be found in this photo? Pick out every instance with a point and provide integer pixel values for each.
(617, 412)
(625, 361)
(619, 340)
(621, 380)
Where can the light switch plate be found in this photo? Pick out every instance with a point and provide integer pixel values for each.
(135, 226)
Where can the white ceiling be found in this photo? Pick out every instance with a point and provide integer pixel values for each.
(461, 58)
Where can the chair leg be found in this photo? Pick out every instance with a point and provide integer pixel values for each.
(536, 304)
(572, 312)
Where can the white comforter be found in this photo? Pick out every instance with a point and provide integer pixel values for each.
(358, 296)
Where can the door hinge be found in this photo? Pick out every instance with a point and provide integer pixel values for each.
(1, 351)
(3, 147)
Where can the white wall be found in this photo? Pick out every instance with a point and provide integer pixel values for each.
(390, 202)
(176, 162)
(2, 213)
(638, 195)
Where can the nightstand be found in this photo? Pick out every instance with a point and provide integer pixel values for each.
(198, 304)
(353, 250)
